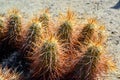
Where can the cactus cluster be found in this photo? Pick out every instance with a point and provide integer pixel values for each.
(66, 50)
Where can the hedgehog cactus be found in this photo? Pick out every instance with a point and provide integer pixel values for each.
(70, 52)
(47, 58)
(12, 34)
(14, 26)
(34, 36)
(88, 32)
(85, 69)
(66, 27)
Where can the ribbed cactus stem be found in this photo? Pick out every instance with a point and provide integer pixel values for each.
(65, 32)
(66, 27)
(14, 25)
(50, 51)
(87, 33)
(44, 19)
(35, 32)
(33, 37)
(11, 40)
(47, 59)
(85, 69)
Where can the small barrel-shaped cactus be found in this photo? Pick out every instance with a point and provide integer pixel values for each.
(66, 27)
(12, 38)
(86, 68)
(46, 60)
(65, 31)
(88, 32)
(33, 38)
(14, 26)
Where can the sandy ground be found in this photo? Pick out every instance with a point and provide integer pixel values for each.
(96, 8)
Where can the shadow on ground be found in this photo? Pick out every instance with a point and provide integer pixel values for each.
(117, 5)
